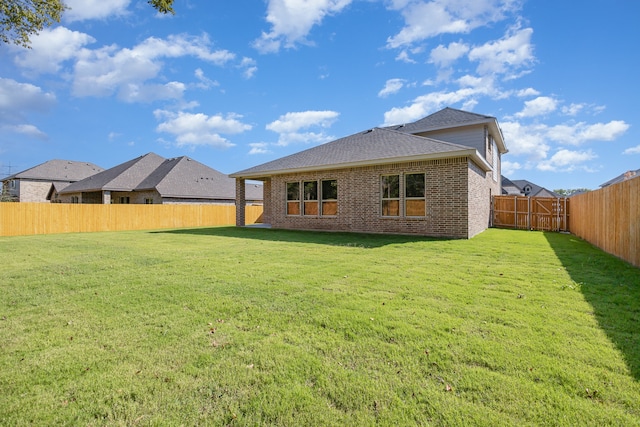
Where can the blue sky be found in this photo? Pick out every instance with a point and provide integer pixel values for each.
(236, 84)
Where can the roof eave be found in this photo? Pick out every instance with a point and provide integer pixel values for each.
(471, 153)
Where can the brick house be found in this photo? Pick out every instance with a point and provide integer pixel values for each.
(152, 179)
(34, 184)
(432, 177)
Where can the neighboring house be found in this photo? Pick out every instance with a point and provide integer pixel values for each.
(34, 184)
(152, 179)
(620, 178)
(433, 177)
(522, 187)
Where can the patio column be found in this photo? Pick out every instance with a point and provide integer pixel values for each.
(241, 202)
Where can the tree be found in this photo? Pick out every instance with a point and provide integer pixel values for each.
(20, 19)
(570, 192)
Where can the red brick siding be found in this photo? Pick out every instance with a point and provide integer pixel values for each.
(448, 183)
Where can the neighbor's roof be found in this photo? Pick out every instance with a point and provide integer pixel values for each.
(623, 177)
(124, 177)
(371, 147)
(451, 118)
(535, 190)
(183, 177)
(179, 177)
(58, 170)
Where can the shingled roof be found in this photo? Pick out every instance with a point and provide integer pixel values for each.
(371, 147)
(58, 170)
(179, 177)
(124, 177)
(449, 118)
(184, 177)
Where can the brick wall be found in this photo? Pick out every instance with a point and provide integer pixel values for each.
(34, 191)
(449, 210)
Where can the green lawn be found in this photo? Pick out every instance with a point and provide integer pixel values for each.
(227, 326)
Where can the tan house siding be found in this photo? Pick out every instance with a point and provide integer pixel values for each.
(32, 191)
(448, 182)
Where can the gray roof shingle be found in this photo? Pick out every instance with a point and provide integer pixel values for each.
(123, 177)
(58, 170)
(445, 118)
(179, 177)
(374, 146)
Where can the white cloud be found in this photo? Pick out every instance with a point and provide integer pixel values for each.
(25, 129)
(205, 82)
(444, 56)
(505, 55)
(292, 20)
(579, 133)
(290, 127)
(632, 150)
(522, 93)
(18, 97)
(81, 10)
(529, 141)
(567, 161)
(199, 129)
(573, 109)
(18, 100)
(404, 57)
(391, 86)
(539, 106)
(509, 168)
(249, 66)
(433, 101)
(425, 19)
(50, 48)
(125, 71)
(259, 148)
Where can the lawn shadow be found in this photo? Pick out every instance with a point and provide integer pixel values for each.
(361, 240)
(611, 286)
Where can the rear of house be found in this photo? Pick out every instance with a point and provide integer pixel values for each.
(397, 180)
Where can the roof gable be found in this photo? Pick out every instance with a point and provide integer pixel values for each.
(123, 177)
(58, 170)
(445, 118)
(449, 118)
(188, 178)
(374, 146)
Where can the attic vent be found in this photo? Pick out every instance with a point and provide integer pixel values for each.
(368, 131)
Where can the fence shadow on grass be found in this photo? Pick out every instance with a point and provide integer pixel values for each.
(361, 240)
(611, 286)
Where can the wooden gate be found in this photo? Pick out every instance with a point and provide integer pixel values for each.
(531, 213)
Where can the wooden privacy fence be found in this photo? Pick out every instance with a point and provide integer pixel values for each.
(18, 219)
(531, 213)
(609, 218)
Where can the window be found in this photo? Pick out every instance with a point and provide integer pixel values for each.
(310, 189)
(390, 190)
(148, 201)
(293, 198)
(414, 194)
(329, 197)
(124, 200)
(75, 199)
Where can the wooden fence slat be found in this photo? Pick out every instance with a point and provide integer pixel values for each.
(530, 213)
(17, 219)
